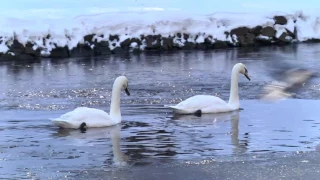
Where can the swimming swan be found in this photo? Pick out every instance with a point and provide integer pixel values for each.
(84, 117)
(201, 104)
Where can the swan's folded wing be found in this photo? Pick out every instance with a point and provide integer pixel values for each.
(64, 124)
(199, 102)
(73, 119)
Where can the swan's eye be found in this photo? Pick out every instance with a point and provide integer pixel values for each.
(245, 70)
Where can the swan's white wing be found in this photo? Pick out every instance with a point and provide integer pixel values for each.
(91, 116)
(198, 102)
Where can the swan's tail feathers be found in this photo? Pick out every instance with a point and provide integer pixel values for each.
(61, 123)
(171, 107)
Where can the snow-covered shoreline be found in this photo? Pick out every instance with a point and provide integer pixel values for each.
(107, 33)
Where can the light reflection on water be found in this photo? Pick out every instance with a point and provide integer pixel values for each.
(33, 92)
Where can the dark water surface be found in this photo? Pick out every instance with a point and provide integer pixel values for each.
(264, 141)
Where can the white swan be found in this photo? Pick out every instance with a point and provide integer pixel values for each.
(83, 117)
(200, 104)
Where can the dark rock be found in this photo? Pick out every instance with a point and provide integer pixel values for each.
(280, 20)
(250, 38)
(268, 31)
(256, 30)
(220, 44)
(179, 35)
(101, 50)
(60, 52)
(8, 56)
(16, 44)
(89, 38)
(149, 41)
(208, 40)
(114, 37)
(136, 40)
(82, 50)
(263, 42)
(29, 50)
(167, 43)
(24, 56)
(102, 44)
(241, 41)
(153, 42)
(189, 45)
(16, 47)
(125, 44)
(185, 36)
(157, 45)
(283, 37)
(118, 50)
(136, 51)
(202, 46)
(290, 33)
(240, 31)
(245, 40)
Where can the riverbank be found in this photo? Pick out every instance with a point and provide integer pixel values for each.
(116, 33)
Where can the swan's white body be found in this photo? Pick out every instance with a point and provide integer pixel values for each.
(205, 103)
(91, 116)
(95, 117)
(212, 104)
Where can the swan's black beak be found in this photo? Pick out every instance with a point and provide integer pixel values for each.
(247, 76)
(127, 91)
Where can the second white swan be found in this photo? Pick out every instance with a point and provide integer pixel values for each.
(84, 117)
(201, 104)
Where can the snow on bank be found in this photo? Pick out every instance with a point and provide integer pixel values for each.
(70, 32)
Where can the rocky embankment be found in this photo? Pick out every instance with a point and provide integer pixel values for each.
(237, 37)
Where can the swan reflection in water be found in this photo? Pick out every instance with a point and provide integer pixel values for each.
(214, 119)
(98, 134)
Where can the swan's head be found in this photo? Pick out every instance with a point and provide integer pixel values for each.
(242, 69)
(123, 81)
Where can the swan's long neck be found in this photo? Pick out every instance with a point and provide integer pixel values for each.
(234, 95)
(115, 112)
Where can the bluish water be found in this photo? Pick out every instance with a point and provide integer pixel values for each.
(150, 135)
